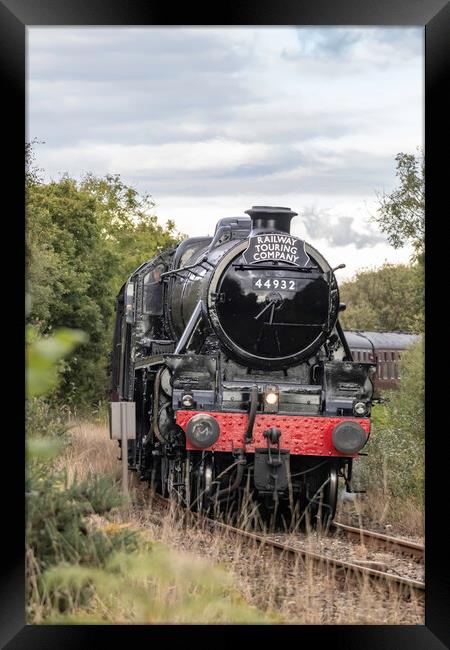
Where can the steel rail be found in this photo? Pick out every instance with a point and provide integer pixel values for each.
(381, 541)
(317, 558)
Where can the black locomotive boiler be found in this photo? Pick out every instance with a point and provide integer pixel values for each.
(231, 350)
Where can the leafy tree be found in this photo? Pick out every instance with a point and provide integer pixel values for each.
(390, 298)
(127, 226)
(83, 239)
(401, 215)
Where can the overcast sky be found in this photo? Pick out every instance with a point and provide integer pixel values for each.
(211, 121)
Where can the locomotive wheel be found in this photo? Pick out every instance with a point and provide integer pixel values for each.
(314, 506)
(322, 508)
(176, 484)
(170, 479)
(203, 487)
(164, 476)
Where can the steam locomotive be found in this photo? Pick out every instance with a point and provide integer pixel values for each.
(230, 350)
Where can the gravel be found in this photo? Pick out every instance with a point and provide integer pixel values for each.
(351, 550)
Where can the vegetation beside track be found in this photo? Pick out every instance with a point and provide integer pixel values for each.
(393, 472)
(82, 566)
(91, 558)
(88, 557)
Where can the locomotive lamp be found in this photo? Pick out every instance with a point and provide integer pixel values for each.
(187, 400)
(360, 408)
(271, 397)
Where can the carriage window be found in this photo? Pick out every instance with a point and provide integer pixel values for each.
(395, 370)
(153, 292)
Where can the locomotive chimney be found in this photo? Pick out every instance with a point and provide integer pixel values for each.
(265, 217)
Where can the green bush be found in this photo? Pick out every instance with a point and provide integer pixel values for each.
(396, 444)
(42, 418)
(151, 586)
(56, 524)
(56, 516)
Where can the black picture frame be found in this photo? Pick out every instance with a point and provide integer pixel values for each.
(434, 16)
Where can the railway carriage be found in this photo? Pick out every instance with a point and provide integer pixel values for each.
(384, 350)
(230, 350)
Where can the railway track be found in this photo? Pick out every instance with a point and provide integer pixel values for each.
(381, 541)
(357, 569)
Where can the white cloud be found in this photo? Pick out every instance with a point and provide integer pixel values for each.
(213, 120)
(198, 217)
(219, 155)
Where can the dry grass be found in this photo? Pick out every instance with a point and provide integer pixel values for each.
(379, 511)
(296, 592)
(299, 591)
(89, 451)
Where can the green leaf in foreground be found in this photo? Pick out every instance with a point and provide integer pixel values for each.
(43, 448)
(43, 356)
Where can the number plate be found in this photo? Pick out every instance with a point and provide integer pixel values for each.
(277, 284)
